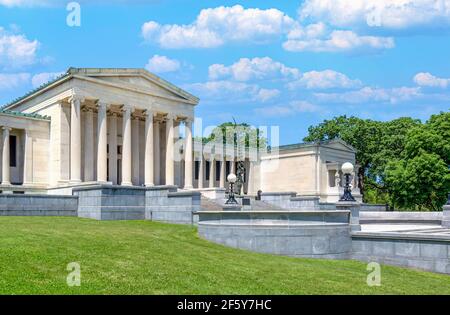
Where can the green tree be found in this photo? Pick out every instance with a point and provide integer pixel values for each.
(419, 183)
(238, 134)
(363, 135)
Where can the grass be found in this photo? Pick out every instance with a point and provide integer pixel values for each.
(141, 257)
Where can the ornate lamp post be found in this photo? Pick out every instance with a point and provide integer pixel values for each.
(347, 169)
(231, 200)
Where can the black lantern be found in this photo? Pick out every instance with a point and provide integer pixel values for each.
(347, 170)
(232, 180)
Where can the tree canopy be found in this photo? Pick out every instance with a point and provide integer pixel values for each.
(241, 134)
(403, 162)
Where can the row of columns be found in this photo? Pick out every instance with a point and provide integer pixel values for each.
(130, 152)
(212, 172)
(6, 157)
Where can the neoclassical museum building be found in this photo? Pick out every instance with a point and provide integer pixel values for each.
(122, 127)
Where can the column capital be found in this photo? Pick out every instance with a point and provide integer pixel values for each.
(76, 99)
(127, 107)
(189, 119)
(6, 128)
(171, 116)
(87, 109)
(149, 113)
(101, 104)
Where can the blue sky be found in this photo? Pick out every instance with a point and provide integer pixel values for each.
(285, 63)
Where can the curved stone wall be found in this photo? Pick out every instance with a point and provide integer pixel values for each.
(315, 234)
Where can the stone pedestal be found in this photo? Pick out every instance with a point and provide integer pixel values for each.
(353, 207)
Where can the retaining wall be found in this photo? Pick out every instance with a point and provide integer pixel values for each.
(164, 203)
(316, 234)
(37, 205)
(430, 253)
(108, 202)
(405, 217)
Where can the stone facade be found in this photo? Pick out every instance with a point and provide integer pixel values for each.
(308, 170)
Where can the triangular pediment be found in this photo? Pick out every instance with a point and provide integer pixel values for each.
(136, 79)
(339, 144)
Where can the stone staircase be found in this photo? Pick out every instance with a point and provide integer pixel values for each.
(207, 204)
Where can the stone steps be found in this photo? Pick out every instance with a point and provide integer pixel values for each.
(207, 204)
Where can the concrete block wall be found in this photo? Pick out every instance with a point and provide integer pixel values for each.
(108, 202)
(413, 251)
(290, 201)
(299, 234)
(405, 217)
(37, 205)
(166, 204)
(373, 207)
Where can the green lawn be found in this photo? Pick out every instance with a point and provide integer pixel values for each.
(140, 257)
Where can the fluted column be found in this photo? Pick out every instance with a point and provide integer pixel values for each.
(112, 148)
(102, 155)
(157, 152)
(28, 158)
(251, 177)
(126, 147)
(223, 164)
(149, 150)
(188, 155)
(88, 144)
(169, 151)
(135, 150)
(233, 166)
(6, 180)
(200, 171)
(75, 140)
(212, 177)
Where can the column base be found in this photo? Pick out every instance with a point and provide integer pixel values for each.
(188, 187)
(75, 181)
(104, 182)
(126, 184)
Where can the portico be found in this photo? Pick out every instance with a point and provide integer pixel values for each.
(117, 143)
(111, 126)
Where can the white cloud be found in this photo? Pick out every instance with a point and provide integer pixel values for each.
(324, 80)
(214, 27)
(371, 95)
(162, 64)
(339, 41)
(41, 78)
(16, 50)
(249, 69)
(427, 79)
(387, 14)
(23, 3)
(225, 90)
(292, 108)
(267, 94)
(9, 81)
